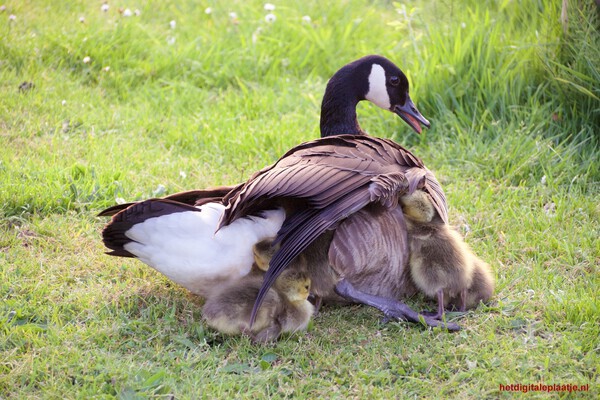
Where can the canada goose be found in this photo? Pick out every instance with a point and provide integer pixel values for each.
(337, 198)
(285, 308)
(340, 195)
(441, 263)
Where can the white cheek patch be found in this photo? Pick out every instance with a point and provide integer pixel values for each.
(378, 94)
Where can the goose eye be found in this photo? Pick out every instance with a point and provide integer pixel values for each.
(394, 81)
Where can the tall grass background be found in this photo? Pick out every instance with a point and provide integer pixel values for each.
(513, 93)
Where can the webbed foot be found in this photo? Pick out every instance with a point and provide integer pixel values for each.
(407, 314)
(392, 309)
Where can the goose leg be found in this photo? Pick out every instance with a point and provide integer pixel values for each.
(391, 308)
(439, 314)
(463, 300)
(451, 307)
(440, 296)
(317, 302)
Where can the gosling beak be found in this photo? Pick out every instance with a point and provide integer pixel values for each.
(409, 113)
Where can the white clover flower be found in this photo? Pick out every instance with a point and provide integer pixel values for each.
(173, 24)
(269, 7)
(106, 69)
(105, 7)
(86, 60)
(208, 10)
(306, 19)
(463, 25)
(549, 209)
(12, 17)
(232, 15)
(182, 174)
(2, 8)
(127, 13)
(270, 18)
(137, 12)
(467, 228)
(171, 40)
(255, 34)
(82, 19)
(64, 102)
(160, 190)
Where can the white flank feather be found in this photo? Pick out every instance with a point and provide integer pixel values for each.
(184, 247)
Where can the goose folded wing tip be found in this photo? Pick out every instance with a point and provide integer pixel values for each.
(195, 197)
(223, 221)
(113, 210)
(438, 196)
(268, 281)
(385, 188)
(120, 253)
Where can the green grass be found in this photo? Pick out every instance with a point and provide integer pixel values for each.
(514, 102)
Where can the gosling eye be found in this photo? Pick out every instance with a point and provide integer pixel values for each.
(394, 80)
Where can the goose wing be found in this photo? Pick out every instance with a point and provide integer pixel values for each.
(126, 216)
(190, 197)
(114, 233)
(328, 180)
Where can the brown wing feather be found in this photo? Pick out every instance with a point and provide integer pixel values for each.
(315, 170)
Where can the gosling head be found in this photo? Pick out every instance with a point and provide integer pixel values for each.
(294, 285)
(418, 206)
(263, 252)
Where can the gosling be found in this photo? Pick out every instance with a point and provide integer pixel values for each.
(285, 308)
(441, 264)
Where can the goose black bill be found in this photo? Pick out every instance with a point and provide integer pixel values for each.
(409, 113)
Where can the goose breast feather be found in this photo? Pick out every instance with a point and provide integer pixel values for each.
(370, 250)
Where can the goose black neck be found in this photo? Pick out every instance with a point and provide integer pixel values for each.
(338, 109)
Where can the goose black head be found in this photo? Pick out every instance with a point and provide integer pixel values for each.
(373, 78)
